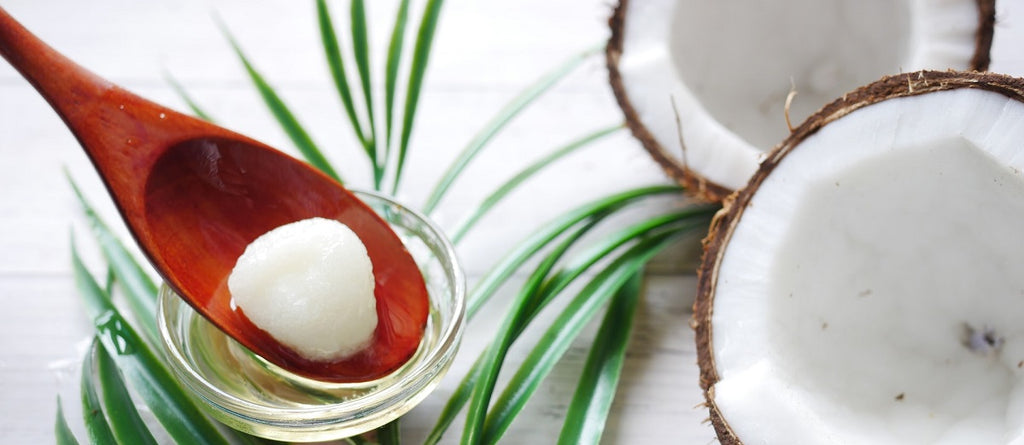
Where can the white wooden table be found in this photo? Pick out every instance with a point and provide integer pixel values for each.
(486, 52)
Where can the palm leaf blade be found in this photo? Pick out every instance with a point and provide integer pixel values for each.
(390, 433)
(503, 190)
(391, 69)
(588, 412)
(361, 51)
(557, 339)
(685, 220)
(140, 290)
(158, 389)
(417, 71)
(523, 309)
(690, 218)
(497, 123)
(332, 53)
(124, 419)
(524, 250)
(96, 426)
(192, 104)
(61, 431)
(284, 116)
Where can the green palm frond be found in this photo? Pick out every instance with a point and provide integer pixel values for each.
(498, 122)
(391, 70)
(585, 419)
(143, 369)
(492, 423)
(125, 421)
(332, 53)
(526, 249)
(61, 431)
(519, 178)
(417, 72)
(96, 426)
(192, 104)
(284, 116)
(139, 289)
(361, 51)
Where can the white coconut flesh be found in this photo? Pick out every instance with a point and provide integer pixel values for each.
(872, 291)
(729, 66)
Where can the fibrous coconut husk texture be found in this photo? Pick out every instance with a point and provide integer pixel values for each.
(890, 87)
(696, 184)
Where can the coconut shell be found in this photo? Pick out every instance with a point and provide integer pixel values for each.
(697, 184)
(724, 223)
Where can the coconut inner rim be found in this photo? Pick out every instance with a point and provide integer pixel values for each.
(823, 49)
(672, 52)
(912, 206)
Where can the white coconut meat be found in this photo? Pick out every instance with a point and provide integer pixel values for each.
(872, 290)
(729, 67)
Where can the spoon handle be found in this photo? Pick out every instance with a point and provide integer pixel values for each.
(64, 84)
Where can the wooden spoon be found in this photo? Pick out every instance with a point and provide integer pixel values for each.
(194, 195)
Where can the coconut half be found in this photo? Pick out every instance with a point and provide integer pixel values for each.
(728, 68)
(867, 285)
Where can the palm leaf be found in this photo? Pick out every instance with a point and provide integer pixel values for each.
(361, 51)
(497, 123)
(336, 65)
(588, 412)
(124, 419)
(111, 280)
(154, 384)
(680, 221)
(390, 433)
(688, 219)
(96, 426)
(187, 98)
(417, 71)
(525, 250)
(391, 69)
(525, 299)
(503, 190)
(557, 339)
(282, 113)
(61, 431)
(139, 289)
(518, 314)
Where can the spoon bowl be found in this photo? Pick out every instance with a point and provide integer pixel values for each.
(194, 195)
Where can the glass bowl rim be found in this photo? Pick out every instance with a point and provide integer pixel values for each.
(435, 360)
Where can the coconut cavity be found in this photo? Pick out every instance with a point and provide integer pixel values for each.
(728, 67)
(820, 49)
(871, 289)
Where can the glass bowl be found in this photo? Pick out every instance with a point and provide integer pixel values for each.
(252, 395)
